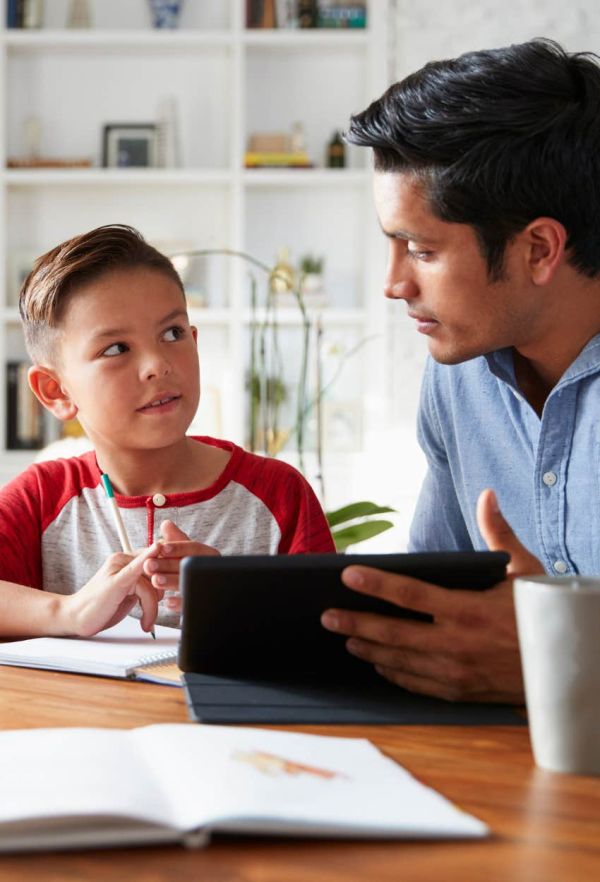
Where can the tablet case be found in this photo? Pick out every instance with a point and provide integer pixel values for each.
(253, 649)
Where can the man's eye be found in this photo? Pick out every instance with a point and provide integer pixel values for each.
(417, 254)
(171, 335)
(115, 349)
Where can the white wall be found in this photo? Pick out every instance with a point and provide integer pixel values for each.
(427, 30)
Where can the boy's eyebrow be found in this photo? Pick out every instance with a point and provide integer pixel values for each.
(115, 332)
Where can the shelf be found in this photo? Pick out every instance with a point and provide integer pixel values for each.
(307, 38)
(109, 41)
(74, 177)
(305, 177)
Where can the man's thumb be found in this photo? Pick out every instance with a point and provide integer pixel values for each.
(499, 536)
(170, 532)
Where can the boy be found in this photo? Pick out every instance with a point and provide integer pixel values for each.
(106, 326)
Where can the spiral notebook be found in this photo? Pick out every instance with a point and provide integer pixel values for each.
(123, 651)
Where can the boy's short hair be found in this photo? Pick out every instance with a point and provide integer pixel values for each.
(62, 271)
(497, 138)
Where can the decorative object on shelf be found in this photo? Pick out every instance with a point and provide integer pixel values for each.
(165, 13)
(129, 145)
(79, 14)
(278, 149)
(311, 280)
(32, 140)
(261, 14)
(336, 152)
(32, 14)
(168, 150)
(334, 14)
(308, 13)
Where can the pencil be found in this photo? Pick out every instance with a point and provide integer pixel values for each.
(124, 538)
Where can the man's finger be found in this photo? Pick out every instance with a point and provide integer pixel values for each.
(404, 591)
(499, 536)
(420, 685)
(432, 665)
(421, 636)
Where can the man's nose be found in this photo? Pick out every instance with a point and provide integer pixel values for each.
(400, 289)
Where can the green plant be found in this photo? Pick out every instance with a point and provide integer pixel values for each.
(311, 264)
(354, 523)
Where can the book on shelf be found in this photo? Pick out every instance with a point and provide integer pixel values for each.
(271, 159)
(14, 13)
(178, 783)
(24, 413)
(342, 15)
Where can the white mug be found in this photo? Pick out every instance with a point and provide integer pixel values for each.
(558, 621)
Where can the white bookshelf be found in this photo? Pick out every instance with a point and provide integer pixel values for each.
(228, 82)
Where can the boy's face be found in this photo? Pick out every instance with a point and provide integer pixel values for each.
(128, 360)
(438, 269)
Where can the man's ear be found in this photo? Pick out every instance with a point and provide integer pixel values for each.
(46, 386)
(546, 240)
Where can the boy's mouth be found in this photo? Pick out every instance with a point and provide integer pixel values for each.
(160, 403)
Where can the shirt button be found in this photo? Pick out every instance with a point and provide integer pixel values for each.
(560, 566)
(158, 499)
(549, 479)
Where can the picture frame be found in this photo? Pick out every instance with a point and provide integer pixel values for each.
(129, 145)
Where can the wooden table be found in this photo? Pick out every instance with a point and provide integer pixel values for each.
(545, 827)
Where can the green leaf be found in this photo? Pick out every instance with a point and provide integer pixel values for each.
(358, 533)
(355, 510)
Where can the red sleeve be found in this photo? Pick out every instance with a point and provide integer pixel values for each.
(21, 530)
(292, 502)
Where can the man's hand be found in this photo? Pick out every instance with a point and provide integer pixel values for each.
(470, 652)
(163, 570)
(111, 594)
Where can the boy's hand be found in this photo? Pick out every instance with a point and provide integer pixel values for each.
(111, 593)
(470, 652)
(163, 570)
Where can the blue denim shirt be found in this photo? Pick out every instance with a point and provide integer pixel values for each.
(478, 431)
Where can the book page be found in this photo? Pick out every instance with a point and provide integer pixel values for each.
(61, 773)
(255, 779)
(114, 652)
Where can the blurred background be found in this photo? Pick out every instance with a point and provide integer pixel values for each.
(215, 128)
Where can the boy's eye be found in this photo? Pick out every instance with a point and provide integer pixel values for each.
(173, 334)
(115, 349)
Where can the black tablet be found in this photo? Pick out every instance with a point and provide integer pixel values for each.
(254, 615)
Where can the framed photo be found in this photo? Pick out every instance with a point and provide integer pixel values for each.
(129, 145)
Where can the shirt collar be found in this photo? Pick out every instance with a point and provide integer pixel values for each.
(501, 364)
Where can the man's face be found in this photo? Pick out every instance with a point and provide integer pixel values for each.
(437, 268)
(128, 360)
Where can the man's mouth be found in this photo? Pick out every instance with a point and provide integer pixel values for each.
(161, 402)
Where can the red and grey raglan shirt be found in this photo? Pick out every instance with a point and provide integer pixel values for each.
(57, 529)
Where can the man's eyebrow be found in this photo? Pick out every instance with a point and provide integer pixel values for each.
(116, 332)
(407, 235)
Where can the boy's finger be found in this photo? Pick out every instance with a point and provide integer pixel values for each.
(178, 550)
(135, 568)
(170, 532)
(148, 603)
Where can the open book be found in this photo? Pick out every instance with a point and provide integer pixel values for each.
(77, 788)
(122, 651)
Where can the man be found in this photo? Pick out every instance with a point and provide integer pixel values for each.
(487, 185)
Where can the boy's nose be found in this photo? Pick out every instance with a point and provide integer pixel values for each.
(155, 366)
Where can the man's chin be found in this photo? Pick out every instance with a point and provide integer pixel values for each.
(451, 354)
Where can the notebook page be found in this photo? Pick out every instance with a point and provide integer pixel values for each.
(115, 652)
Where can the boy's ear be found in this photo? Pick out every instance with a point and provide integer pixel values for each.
(546, 240)
(46, 386)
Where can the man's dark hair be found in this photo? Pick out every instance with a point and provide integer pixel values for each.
(498, 138)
